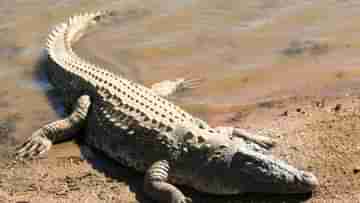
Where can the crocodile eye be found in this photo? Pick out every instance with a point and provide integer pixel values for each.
(222, 147)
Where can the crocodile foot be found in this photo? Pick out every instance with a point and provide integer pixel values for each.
(188, 83)
(156, 184)
(34, 146)
(168, 88)
(263, 141)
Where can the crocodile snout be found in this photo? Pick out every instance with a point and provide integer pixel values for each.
(308, 182)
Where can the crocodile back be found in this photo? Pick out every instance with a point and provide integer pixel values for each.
(126, 120)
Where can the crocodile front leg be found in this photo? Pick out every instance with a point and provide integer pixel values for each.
(168, 88)
(157, 187)
(42, 139)
(263, 141)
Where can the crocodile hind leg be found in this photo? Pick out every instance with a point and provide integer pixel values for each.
(263, 141)
(42, 139)
(157, 187)
(168, 88)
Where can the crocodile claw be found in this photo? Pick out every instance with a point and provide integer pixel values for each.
(33, 147)
(183, 200)
(188, 83)
(188, 200)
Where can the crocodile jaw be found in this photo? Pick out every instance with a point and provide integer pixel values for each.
(238, 171)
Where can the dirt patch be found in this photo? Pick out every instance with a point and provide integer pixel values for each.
(7, 126)
(308, 47)
(7, 140)
(318, 134)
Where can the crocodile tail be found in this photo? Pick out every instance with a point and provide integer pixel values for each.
(70, 67)
(65, 34)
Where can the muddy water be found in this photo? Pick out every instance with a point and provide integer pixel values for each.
(246, 51)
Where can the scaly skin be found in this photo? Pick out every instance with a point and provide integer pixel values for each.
(139, 128)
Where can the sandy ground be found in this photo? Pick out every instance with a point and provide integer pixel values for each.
(319, 134)
(283, 68)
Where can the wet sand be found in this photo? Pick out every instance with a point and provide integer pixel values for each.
(279, 68)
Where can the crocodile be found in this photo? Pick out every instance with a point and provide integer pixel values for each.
(142, 129)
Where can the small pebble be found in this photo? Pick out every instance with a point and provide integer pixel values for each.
(356, 170)
(320, 104)
(337, 107)
(285, 113)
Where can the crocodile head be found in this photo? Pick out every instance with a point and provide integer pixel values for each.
(236, 170)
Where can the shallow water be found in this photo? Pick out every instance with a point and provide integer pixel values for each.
(246, 51)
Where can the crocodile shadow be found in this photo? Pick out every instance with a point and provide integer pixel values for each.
(40, 76)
